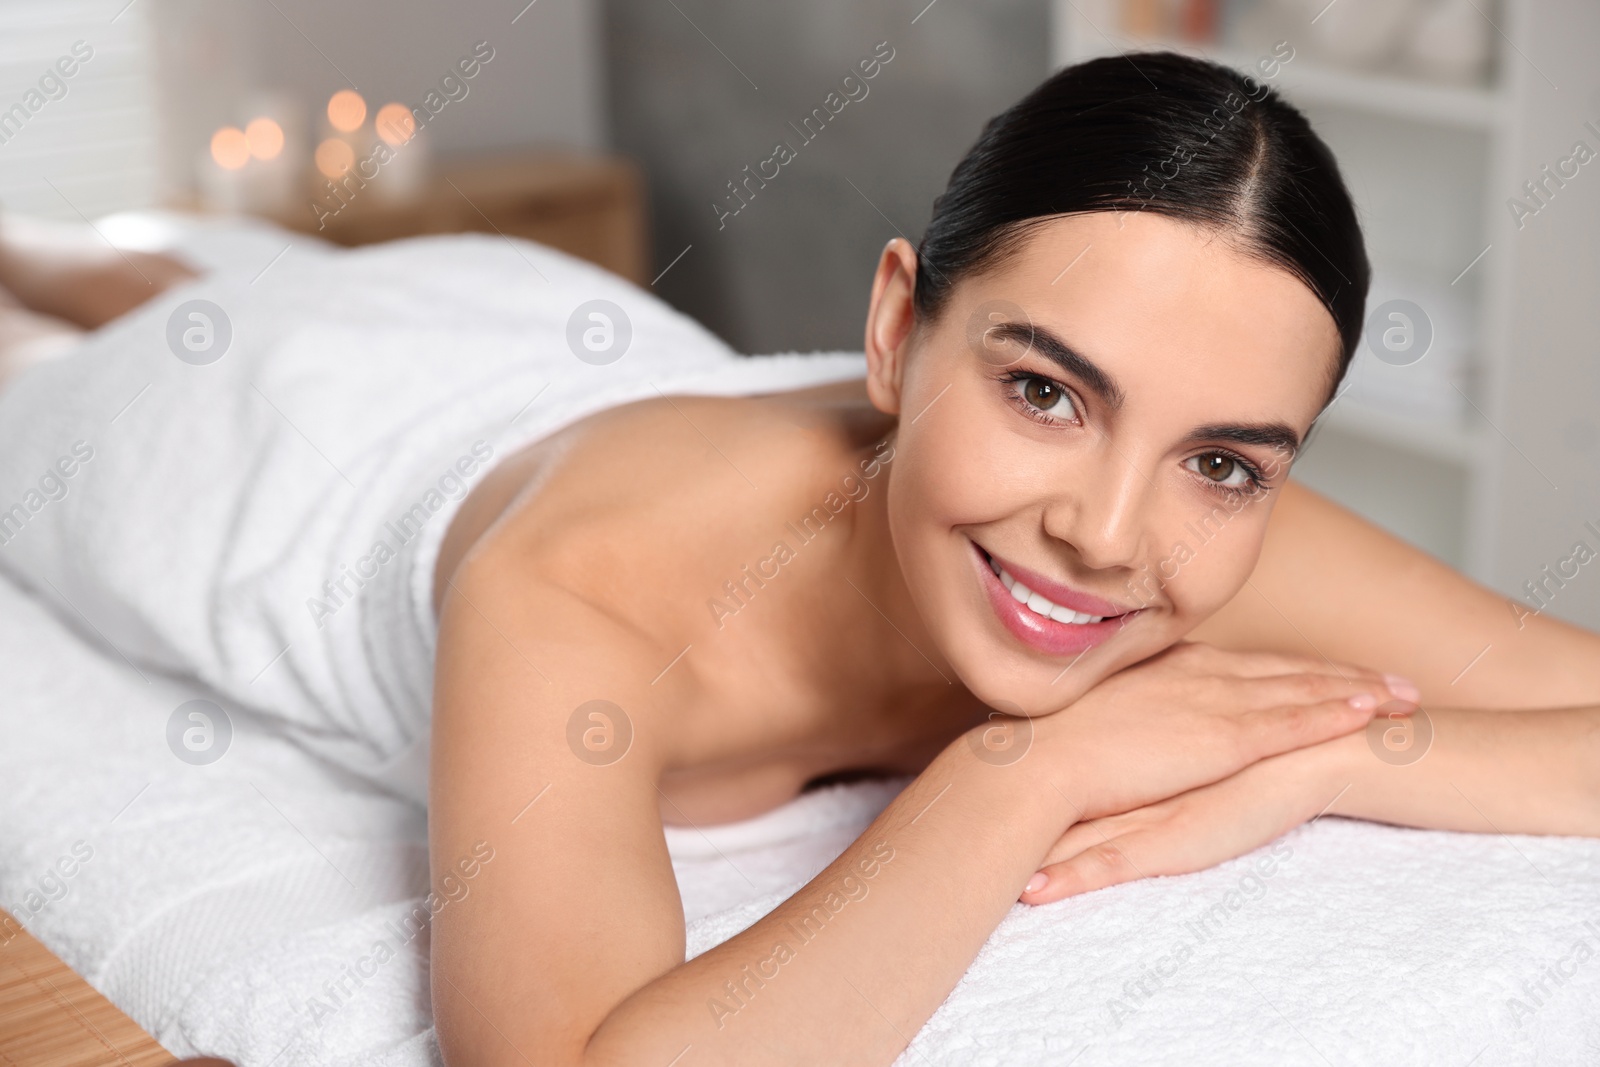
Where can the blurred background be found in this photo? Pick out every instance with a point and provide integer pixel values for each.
(644, 135)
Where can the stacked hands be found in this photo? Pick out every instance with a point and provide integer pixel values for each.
(1198, 755)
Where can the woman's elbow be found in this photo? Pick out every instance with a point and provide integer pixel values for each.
(468, 1037)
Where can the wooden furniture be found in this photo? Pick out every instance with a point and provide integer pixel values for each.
(592, 207)
(49, 1017)
(1434, 169)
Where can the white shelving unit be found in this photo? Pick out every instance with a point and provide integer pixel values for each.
(1309, 83)
(1431, 168)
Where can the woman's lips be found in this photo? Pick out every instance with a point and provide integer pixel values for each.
(1048, 635)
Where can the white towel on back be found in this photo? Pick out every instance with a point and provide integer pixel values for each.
(269, 521)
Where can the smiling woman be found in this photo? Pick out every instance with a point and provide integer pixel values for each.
(1111, 441)
(1079, 402)
(1081, 372)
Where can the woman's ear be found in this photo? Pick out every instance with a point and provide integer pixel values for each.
(890, 319)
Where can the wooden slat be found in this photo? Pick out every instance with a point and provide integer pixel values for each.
(50, 1017)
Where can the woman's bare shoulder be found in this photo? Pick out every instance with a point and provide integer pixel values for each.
(643, 479)
(616, 534)
(1331, 584)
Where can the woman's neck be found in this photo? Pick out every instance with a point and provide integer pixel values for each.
(886, 676)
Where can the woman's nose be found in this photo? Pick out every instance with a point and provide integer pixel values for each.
(1104, 516)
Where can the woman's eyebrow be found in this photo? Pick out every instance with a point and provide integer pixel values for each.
(1278, 436)
(1064, 356)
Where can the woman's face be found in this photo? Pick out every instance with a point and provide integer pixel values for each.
(1103, 420)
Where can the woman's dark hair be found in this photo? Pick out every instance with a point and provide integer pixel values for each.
(1158, 132)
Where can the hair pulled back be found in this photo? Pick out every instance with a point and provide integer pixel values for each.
(1161, 132)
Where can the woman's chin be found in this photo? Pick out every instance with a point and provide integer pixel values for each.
(1014, 682)
(1011, 676)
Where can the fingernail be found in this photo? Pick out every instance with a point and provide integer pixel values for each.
(1036, 883)
(1403, 689)
(1363, 701)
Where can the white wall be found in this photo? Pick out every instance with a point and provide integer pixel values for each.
(84, 144)
(1548, 403)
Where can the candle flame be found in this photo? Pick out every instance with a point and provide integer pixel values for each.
(395, 124)
(346, 110)
(335, 157)
(230, 148)
(265, 137)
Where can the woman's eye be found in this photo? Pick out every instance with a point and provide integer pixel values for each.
(1041, 393)
(1042, 399)
(1222, 469)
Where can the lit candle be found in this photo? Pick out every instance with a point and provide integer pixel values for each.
(221, 172)
(344, 153)
(272, 175)
(404, 173)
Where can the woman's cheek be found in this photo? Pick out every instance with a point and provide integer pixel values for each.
(1209, 563)
(956, 465)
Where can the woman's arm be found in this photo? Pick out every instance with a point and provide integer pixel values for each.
(1519, 772)
(569, 948)
(1331, 584)
(1508, 742)
(1502, 772)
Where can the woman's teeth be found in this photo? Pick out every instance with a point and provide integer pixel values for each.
(1038, 604)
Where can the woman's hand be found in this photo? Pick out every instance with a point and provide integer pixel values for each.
(1189, 832)
(1195, 715)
